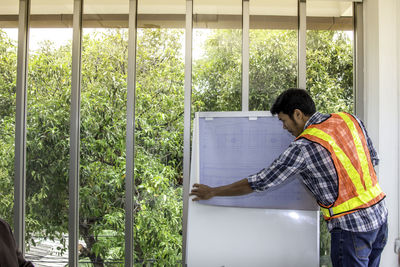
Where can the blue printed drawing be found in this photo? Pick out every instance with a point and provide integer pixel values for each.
(232, 148)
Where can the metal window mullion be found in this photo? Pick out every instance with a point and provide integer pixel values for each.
(130, 134)
(245, 54)
(73, 224)
(358, 60)
(187, 122)
(302, 31)
(20, 125)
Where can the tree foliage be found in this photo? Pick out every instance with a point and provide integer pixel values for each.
(273, 69)
(8, 65)
(273, 66)
(330, 70)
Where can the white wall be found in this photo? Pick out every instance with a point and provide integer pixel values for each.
(382, 65)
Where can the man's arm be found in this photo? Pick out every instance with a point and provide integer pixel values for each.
(290, 162)
(204, 192)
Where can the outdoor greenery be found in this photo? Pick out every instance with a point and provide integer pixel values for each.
(158, 127)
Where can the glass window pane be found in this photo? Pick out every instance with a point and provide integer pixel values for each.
(103, 131)
(47, 145)
(217, 55)
(102, 134)
(273, 51)
(8, 77)
(330, 55)
(159, 135)
(102, 161)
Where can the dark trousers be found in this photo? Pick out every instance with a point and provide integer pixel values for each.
(358, 249)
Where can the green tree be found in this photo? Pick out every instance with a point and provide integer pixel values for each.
(217, 75)
(8, 66)
(330, 70)
(273, 66)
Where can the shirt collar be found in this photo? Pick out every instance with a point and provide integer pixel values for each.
(316, 118)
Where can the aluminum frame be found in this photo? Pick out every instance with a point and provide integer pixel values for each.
(73, 218)
(358, 60)
(187, 122)
(228, 114)
(302, 33)
(245, 54)
(130, 134)
(20, 125)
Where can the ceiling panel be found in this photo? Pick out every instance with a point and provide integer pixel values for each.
(329, 8)
(162, 7)
(273, 7)
(220, 7)
(56, 7)
(326, 8)
(9, 7)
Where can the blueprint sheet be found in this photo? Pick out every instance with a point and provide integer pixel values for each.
(232, 148)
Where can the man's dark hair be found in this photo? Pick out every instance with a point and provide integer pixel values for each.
(291, 99)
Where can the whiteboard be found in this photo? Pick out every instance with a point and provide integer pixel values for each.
(241, 236)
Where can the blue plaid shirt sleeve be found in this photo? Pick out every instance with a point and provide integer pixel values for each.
(289, 163)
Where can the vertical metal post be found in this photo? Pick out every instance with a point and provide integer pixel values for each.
(358, 60)
(302, 31)
(187, 122)
(245, 54)
(130, 135)
(73, 224)
(20, 125)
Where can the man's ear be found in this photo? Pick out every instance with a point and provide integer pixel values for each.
(298, 114)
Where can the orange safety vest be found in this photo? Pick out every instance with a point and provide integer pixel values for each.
(343, 137)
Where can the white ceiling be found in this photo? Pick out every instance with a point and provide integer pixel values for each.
(324, 8)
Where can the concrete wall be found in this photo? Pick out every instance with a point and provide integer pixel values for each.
(382, 87)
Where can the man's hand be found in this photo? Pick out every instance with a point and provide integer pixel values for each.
(202, 192)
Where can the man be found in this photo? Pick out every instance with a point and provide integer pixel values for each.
(10, 256)
(335, 159)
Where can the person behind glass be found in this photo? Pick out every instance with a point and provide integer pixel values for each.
(10, 256)
(335, 159)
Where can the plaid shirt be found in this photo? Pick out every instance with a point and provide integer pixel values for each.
(315, 166)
